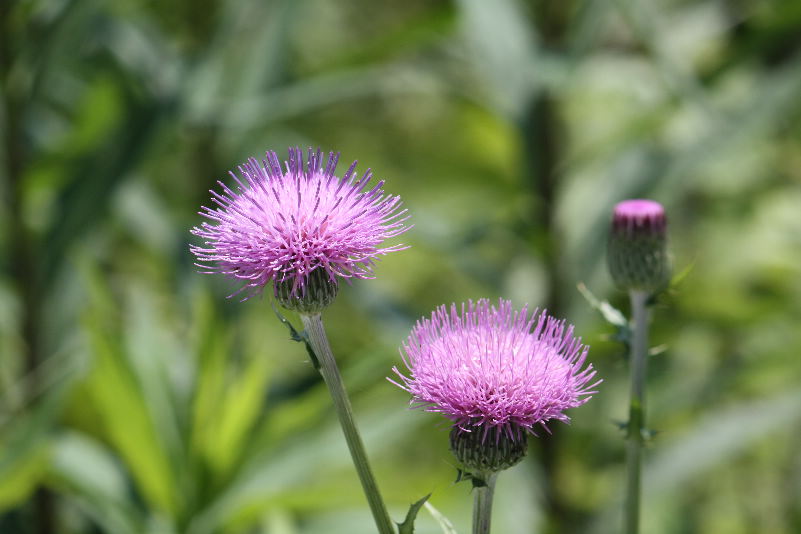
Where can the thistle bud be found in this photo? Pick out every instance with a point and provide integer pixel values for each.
(311, 298)
(637, 246)
(484, 454)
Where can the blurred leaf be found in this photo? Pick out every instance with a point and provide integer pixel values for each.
(211, 347)
(407, 527)
(21, 474)
(503, 51)
(719, 436)
(53, 374)
(587, 28)
(611, 314)
(120, 400)
(94, 177)
(260, 64)
(239, 409)
(442, 521)
(24, 453)
(312, 94)
(147, 348)
(772, 97)
(646, 23)
(271, 476)
(430, 26)
(90, 473)
(278, 521)
(679, 277)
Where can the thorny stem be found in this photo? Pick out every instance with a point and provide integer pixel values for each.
(328, 368)
(636, 426)
(482, 505)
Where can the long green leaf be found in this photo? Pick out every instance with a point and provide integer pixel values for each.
(443, 522)
(25, 451)
(120, 400)
(90, 474)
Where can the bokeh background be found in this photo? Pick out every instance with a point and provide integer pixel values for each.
(136, 399)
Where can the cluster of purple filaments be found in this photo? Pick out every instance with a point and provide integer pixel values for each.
(638, 216)
(280, 225)
(494, 369)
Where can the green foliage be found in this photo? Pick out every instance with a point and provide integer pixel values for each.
(24, 453)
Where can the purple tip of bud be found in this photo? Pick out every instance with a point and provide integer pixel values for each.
(633, 215)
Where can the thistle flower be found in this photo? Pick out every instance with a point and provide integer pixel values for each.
(298, 227)
(496, 373)
(637, 246)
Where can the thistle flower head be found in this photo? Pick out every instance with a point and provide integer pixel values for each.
(280, 225)
(637, 246)
(495, 370)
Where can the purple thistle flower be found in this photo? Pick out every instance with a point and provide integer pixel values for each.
(495, 368)
(279, 225)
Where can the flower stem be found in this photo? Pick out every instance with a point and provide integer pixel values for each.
(482, 505)
(636, 426)
(328, 368)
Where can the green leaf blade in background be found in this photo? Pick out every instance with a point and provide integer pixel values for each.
(120, 401)
(91, 475)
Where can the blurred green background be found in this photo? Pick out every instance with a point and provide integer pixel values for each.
(135, 398)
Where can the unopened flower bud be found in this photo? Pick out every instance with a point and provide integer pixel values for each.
(637, 246)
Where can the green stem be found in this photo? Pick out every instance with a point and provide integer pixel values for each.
(328, 368)
(482, 505)
(636, 426)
